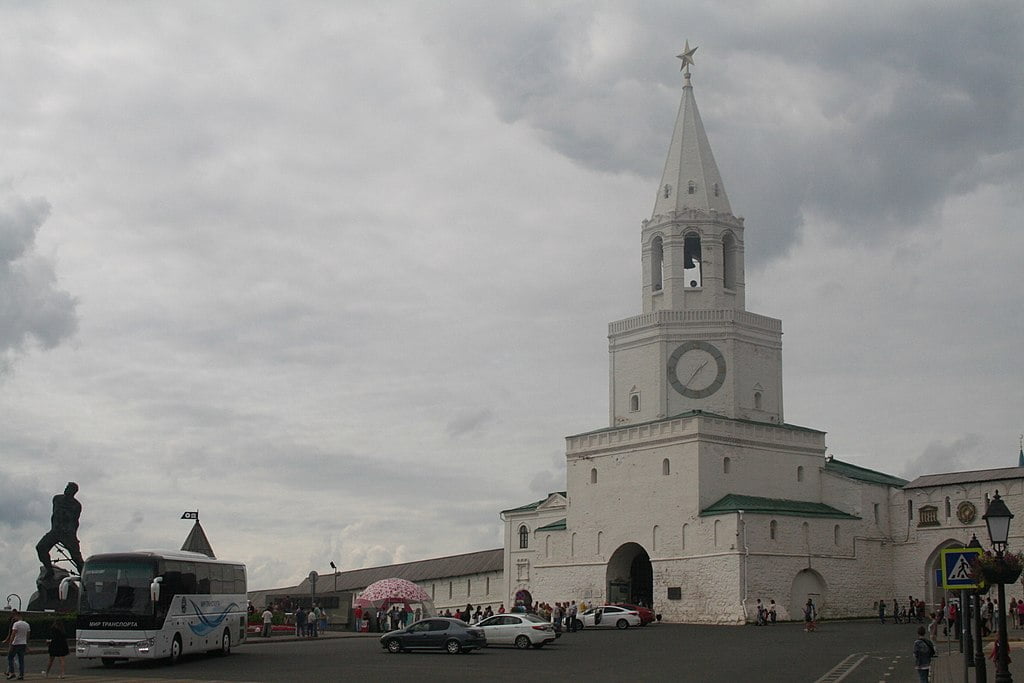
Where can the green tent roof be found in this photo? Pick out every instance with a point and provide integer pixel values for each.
(535, 504)
(773, 506)
(845, 469)
(554, 526)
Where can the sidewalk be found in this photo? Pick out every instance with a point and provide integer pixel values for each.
(949, 664)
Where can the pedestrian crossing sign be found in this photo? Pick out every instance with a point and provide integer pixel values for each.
(956, 569)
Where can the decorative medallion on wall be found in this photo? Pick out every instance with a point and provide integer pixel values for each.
(966, 512)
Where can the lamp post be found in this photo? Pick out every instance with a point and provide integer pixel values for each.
(335, 568)
(997, 518)
(980, 671)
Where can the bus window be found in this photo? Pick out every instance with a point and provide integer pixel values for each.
(202, 579)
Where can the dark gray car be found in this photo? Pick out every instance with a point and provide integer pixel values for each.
(436, 633)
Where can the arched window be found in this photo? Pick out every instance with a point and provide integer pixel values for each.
(773, 529)
(730, 261)
(449, 590)
(593, 475)
(948, 507)
(692, 260)
(800, 473)
(691, 187)
(599, 534)
(806, 528)
(572, 545)
(683, 544)
(666, 468)
(547, 546)
(524, 537)
(718, 523)
(835, 534)
(634, 403)
(757, 400)
(726, 464)
(654, 538)
(657, 264)
(469, 586)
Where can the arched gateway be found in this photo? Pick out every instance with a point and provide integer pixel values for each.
(629, 576)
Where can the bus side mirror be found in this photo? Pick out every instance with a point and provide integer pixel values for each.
(154, 589)
(65, 586)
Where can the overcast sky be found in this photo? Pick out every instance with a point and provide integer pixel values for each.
(339, 275)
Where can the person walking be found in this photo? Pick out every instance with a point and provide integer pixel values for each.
(810, 616)
(268, 622)
(57, 646)
(772, 612)
(881, 611)
(17, 642)
(923, 653)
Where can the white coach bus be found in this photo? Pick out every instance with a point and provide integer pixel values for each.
(158, 604)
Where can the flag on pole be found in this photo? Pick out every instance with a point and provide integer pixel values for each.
(190, 515)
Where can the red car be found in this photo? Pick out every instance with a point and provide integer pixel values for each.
(646, 615)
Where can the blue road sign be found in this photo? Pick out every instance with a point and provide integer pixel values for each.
(956, 569)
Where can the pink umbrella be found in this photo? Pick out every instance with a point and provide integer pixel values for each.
(392, 590)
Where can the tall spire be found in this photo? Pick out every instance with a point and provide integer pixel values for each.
(691, 178)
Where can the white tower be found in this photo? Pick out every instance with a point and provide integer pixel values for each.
(695, 346)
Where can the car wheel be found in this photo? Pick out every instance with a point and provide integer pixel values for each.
(108, 661)
(175, 649)
(393, 646)
(578, 625)
(621, 624)
(522, 642)
(453, 647)
(225, 643)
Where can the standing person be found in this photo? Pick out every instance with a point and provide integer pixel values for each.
(17, 641)
(772, 611)
(760, 620)
(300, 622)
(881, 611)
(573, 611)
(895, 611)
(358, 617)
(810, 616)
(268, 622)
(923, 653)
(313, 621)
(57, 646)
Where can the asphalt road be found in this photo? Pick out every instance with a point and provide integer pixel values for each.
(852, 652)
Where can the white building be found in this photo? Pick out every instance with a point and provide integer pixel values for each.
(698, 497)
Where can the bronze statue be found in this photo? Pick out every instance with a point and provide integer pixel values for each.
(63, 530)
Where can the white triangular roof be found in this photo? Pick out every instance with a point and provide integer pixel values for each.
(690, 160)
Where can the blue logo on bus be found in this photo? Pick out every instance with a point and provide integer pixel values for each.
(209, 622)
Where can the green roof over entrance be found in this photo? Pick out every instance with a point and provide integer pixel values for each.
(757, 505)
(554, 526)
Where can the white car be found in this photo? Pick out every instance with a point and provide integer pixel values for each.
(521, 630)
(608, 616)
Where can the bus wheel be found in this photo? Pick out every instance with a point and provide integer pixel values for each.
(225, 643)
(176, 649)
(108, 661)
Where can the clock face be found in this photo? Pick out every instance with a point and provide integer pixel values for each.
(696, 369)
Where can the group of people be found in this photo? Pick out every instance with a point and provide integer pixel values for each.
(310, 623)
(912, 610)
(17, 644)
(382, 619)
(766, 614)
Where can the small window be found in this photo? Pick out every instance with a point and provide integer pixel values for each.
(948, 508)
(773, 528)
(524, 537)
(691, 187)
(675, 593)
(726, 463)
(634, 403)
(716, 189)
(469, 586)
(910, 510)
(835, 534)
(593, 475)
(487, 586)
(876, 512)
(666, 191)
(666, 468)
(800, 473)
(449, 590)
(683, 537)
(757, 400)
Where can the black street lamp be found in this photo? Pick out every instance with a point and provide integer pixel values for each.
(980, 672)
(997, 518)
(335, 568)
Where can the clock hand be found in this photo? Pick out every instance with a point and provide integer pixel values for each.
(699, 368)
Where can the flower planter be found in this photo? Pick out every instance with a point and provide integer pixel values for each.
(1000, 574)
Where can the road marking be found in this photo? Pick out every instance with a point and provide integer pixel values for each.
(842, 669)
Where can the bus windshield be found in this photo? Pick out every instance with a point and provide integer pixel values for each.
(117, 587)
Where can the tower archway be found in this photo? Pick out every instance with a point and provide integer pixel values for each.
(934, 591)
(807, 584)
(629, 576)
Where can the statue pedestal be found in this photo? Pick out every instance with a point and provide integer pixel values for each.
(47, 595)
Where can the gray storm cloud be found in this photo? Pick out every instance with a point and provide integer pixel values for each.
(32, 306)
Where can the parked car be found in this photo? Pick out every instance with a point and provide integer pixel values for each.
(521, 630)
(646, 614)
(608, 616)
(436, 633)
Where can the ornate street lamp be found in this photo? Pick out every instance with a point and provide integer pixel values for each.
(997, 518)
